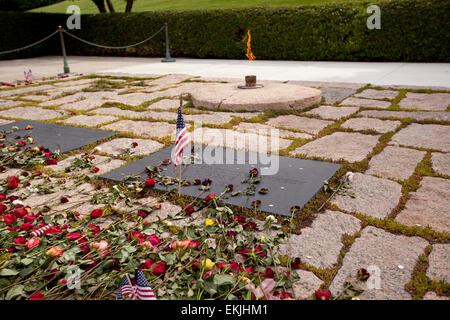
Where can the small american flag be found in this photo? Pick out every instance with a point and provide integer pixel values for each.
(182, 140)
(140, 290)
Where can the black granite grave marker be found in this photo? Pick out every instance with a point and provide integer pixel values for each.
(56, 136)
(296, 182)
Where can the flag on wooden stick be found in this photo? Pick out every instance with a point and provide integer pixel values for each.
(182, 139)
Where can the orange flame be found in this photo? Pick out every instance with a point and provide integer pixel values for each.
(249, 54)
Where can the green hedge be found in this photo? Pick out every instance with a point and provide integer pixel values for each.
(23, 5)
(411, 30)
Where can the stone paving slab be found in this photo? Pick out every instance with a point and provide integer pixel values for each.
(104, 164)
(76, 82)
(351, 147)
(439, 263)
(308, 125)
(85, 104)
(143, 128)
(89, 121)
(373, 196)
(333, 95)
(357, 102)
(333, 113)
(395, 162)
(55, 136)
(429, 136)
(380, 126)
(307, 284)
(417, 115)
(263, 129)
(394, 255)
(428, 205)
(377, 94)
(425, 101)
(329, 84)
(32, 113)
(430, 295)
(121, 112)
(9, 103)
(441, 163)
(3, 121)
(320, 244)
(119, 146)
(18, 91)
(238, 140)
(133, 99)
(288, 185)
(165, 104)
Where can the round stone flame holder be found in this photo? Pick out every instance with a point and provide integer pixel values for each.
(250, 83)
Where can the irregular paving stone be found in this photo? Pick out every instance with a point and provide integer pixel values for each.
(105, 164)
(119, 146)
(9, 103)
(428, 205)
(70, 96)
(9, 172)
(322, 84)
(425, 101)
(365, 103)
(169, 79)
(90, 121)
(395, 162)
(433, 296)
(263, 129)
(3, 121)
(18, 91)
(214, 118)
(238, 140)
(133, 99)
(441, 163)
(439, 263)
(165, 104)
(332, 95)
(377, 94)
(32, 113)
(417, 115)
(143, 128)
(381, 126)
(273, 96)
(164, 115)
(333, 113)
(122, 112)
(429, 136)
(387, 252)
(85, 104)
(307, 284)
(320, 244)
(351, 147)
(309, 125)
(69, 83)
(373, 196)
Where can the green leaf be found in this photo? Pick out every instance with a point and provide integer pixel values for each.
(26, 261)
(223, 280)
(15, 291)
(8, 272)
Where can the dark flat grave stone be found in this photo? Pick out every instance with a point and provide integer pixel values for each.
(56, 136)
(295, 183)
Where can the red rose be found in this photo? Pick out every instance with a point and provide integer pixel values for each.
(19, 213)
(283, 295)
(20, 240)
(13, 182)
(95, 169)
(94, 228)
(47, 154)
(323, 295)
(136, 235)
(9, 218)
(258, 251)
(231, 233)
(254, 172)
(156, 268)
(29, 218)
(230, 187)
(189, 210)
(206, 182)
(33, 243)
(194, 244)
(154, 240)
(26, 226)
(197, 181)
(3, 208)
(97, 213)
(363, 275)
(150, 182)
(74, 235)
(64, 200)
(134, 144)
(250, 225)
(37, 296)
(143, 213)
(22, 143)
(2, 197)
(296, 263)
(209, 197)
(268, 274)
(51, 161)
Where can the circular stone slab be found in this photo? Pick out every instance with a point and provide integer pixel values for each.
(273, 96)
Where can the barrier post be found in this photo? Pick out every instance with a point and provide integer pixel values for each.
(168, 58)
(63, 48)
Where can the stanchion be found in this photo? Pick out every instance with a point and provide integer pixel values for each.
(63, 48)
(168, 58)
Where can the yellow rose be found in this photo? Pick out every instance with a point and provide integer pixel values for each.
(207, 263)
(247, 280)
(36, 149)
(261, 239)
(208, 222)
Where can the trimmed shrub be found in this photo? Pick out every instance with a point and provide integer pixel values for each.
(411, 30)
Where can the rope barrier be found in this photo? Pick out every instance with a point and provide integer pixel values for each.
(30, 45)
(109, 47)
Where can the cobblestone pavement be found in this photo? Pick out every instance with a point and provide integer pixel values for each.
(394, 220)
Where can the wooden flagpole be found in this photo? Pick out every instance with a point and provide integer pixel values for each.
(179, 165)
(131, 285)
